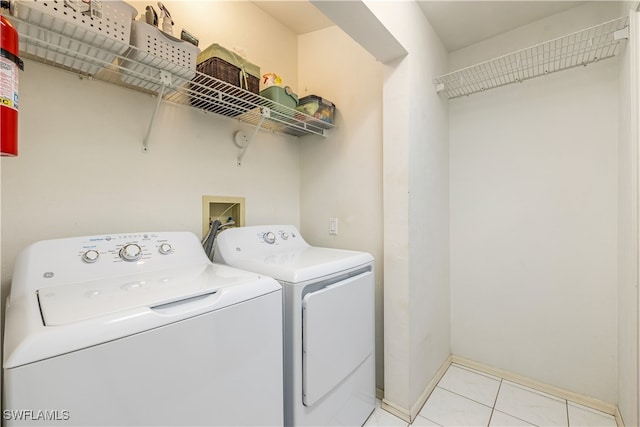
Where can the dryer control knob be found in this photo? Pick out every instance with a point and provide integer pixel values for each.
(164, 249)
(269, 237)
(90, 256)
(284, 235)
(131, 252)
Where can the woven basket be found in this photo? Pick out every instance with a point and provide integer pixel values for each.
(222, 70)
(228, 73)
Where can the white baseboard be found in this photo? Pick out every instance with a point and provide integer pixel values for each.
(591, 402)
(397, 411)
(409, 415)
(379, 393)
(619, 419)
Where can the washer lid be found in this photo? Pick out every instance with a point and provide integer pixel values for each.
(304, 264)
(65, 304)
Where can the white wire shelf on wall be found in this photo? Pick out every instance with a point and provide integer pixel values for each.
(580, 48)
(144, 72)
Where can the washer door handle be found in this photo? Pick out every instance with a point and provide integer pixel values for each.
(184, 305)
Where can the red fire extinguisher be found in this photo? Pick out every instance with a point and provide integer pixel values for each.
(9, 65)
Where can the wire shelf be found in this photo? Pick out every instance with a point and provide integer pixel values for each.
(580, 48)
(144, 72)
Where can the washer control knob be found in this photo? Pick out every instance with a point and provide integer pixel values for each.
(90, 256)
(165, 249)
(269, 237)
(284, 235)
(131, 252)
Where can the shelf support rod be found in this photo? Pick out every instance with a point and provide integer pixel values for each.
(165, 79)
(264, 113)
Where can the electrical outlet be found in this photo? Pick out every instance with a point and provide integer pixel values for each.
(333, 226)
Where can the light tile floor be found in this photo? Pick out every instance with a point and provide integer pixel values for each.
(465, 397)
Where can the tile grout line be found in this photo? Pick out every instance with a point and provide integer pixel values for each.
(517, 417)
(464, 397)
(429, 419)
(501, 381)
(493, 408)
(545, 389)
(495, 401)
(473, 371)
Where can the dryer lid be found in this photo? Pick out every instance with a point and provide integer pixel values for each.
(302, 265)
(279, 251)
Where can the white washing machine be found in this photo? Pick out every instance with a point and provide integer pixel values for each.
(140, 329)
(329, 374)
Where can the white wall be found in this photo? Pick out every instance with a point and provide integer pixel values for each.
(415, 189)
(628, 227)
(341, 175)
(81, 169)
(534, 170)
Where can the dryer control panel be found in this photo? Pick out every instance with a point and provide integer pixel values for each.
(260, 239)
(278, 235)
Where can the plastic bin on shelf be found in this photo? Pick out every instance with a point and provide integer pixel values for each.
(154, 50)
(317, 107)
(282, 97)
(91, 34)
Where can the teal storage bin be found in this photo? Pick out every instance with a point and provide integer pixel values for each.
(283, 96)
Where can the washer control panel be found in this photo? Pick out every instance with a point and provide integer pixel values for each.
(125, 248)
(103, 258)
(91, 257)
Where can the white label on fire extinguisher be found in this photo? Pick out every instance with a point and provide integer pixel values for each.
(8, 83)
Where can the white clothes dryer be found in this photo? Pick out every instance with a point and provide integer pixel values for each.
(140, 329)
(329, 374)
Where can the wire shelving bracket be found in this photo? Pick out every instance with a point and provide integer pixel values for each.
(265, 113)
(166, 81)
(580, 48)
